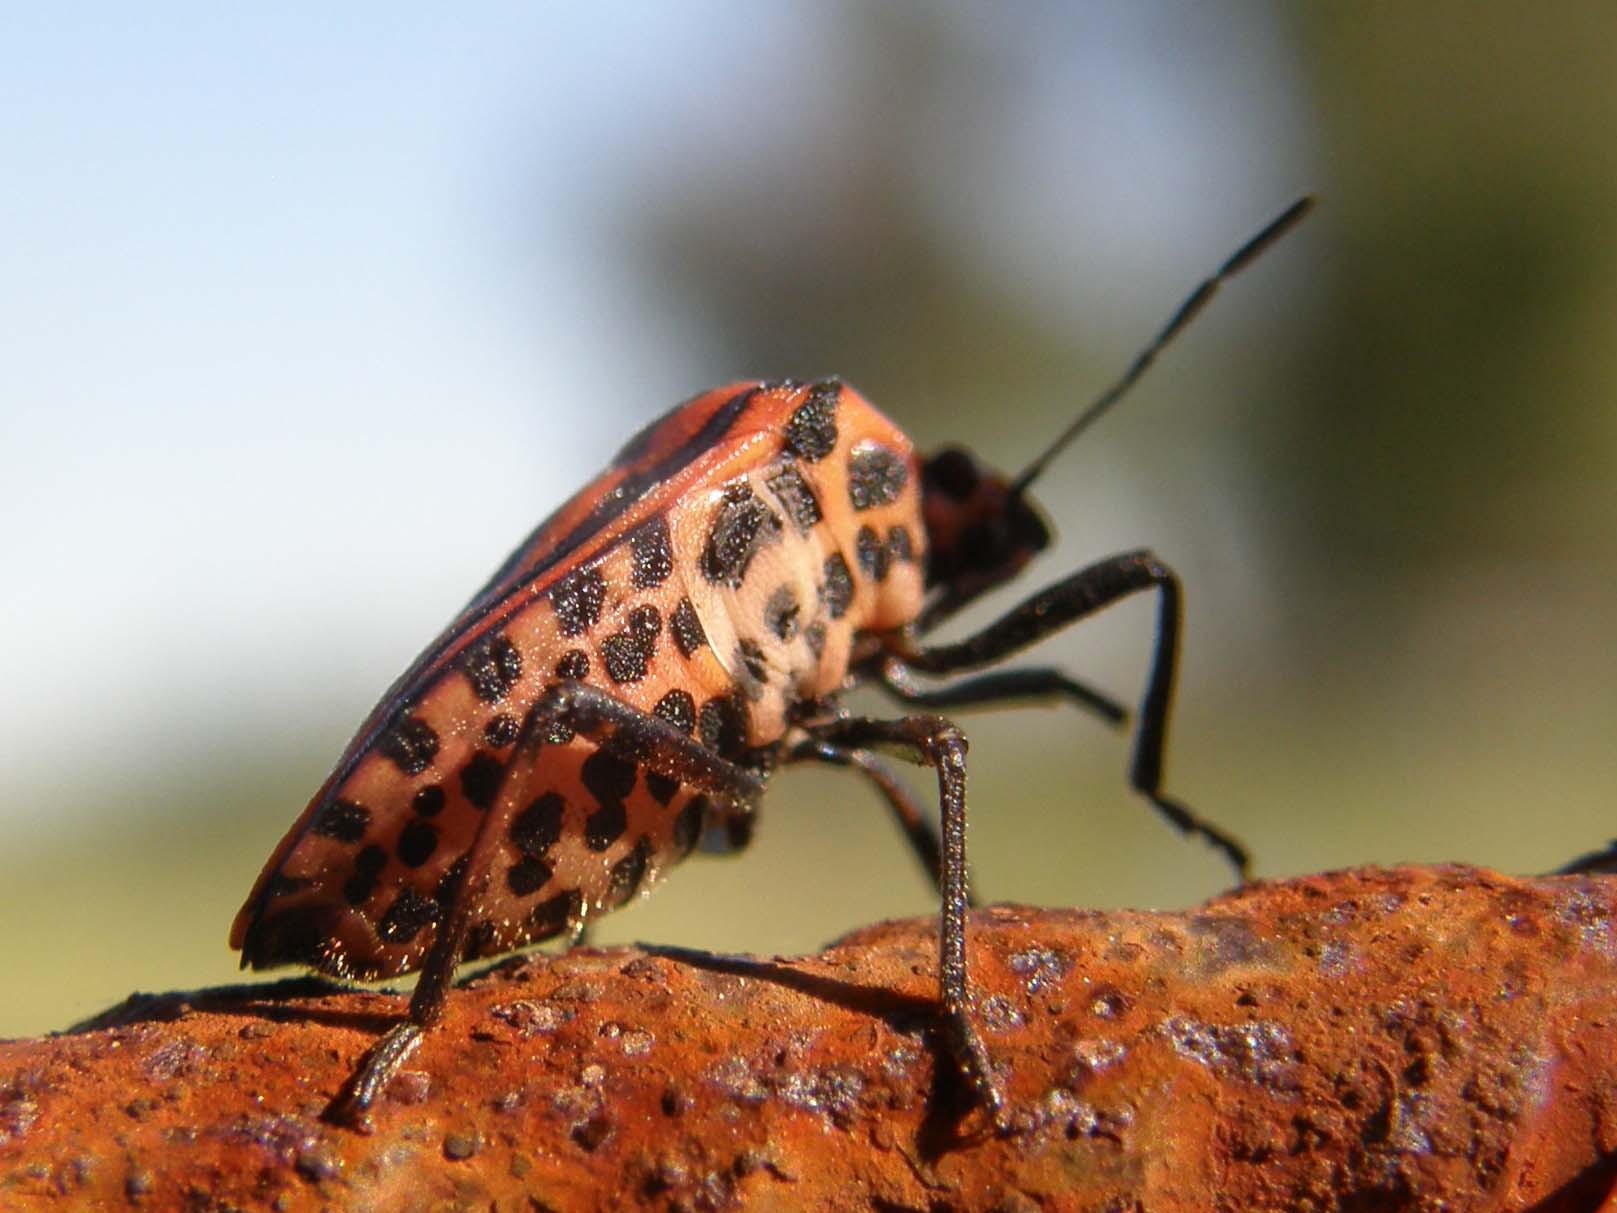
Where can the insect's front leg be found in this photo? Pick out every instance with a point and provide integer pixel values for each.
(566, 710)
(936, 742)
(1067, 601)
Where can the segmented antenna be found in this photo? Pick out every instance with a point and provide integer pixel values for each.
(1183, 315)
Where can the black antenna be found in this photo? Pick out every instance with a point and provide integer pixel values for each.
(1186, 312)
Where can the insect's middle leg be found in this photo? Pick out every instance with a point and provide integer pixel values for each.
(936, 742)
(917, 827)
(564, 711)
(1067, 601)
(1021, 686)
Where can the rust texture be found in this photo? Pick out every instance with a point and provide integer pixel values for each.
(1414, 1038)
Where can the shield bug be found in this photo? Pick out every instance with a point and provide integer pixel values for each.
(628, 680)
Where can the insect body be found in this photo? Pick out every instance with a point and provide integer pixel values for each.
(626, 683)
(710, 584)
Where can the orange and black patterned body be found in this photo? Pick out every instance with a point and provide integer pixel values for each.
(716, 577)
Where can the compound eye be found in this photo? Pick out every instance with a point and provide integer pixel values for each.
(953, 473)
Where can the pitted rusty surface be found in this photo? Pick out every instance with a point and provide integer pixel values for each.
(1415, 1038)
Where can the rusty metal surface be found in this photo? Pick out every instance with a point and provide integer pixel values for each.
(1415, 1038)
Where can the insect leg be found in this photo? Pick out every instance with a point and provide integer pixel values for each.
(917, 826)
(936, 742)
(998, 686)
(561, 712)
(1068, 600)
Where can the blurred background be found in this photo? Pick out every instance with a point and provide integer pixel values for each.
(306, 317)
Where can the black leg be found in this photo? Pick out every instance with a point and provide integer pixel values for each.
(1065, 602)
(563, 711)
(917, 827)
(935, 742)
(999, 686)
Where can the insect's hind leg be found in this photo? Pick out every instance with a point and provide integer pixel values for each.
(934, 741)
(564, 710)
(918, 829)
(1067, 601)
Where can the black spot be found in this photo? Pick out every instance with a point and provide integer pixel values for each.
(574, 664)
(741, 525)
(625, 658)
(812, 430)
(645, 622)
(652, 556)
(343, 820)
(368, 865)
(406, 917)
(721, 726)
(417, 842)
(628, 653)
(605, 826)
(527, 876)
(837, 593)
(628, 872)
(814, 636)
(555, 914)
(900, 545)
(480, 779)
(876, 476)
(501, 730)
(688, 826)
(411, 744)
(493, 667)
(678, 709)
(781, 612)
(687, 628)
(429, 801)
(577, 600)
(874, 558)
(661, 787)
(357, 889)
(608, 777)
(753, 661)
(537, 828)
(793, 492)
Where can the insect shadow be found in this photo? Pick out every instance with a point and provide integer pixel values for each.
(283, 1001)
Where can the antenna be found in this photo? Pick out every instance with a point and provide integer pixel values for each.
(1183, 315)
